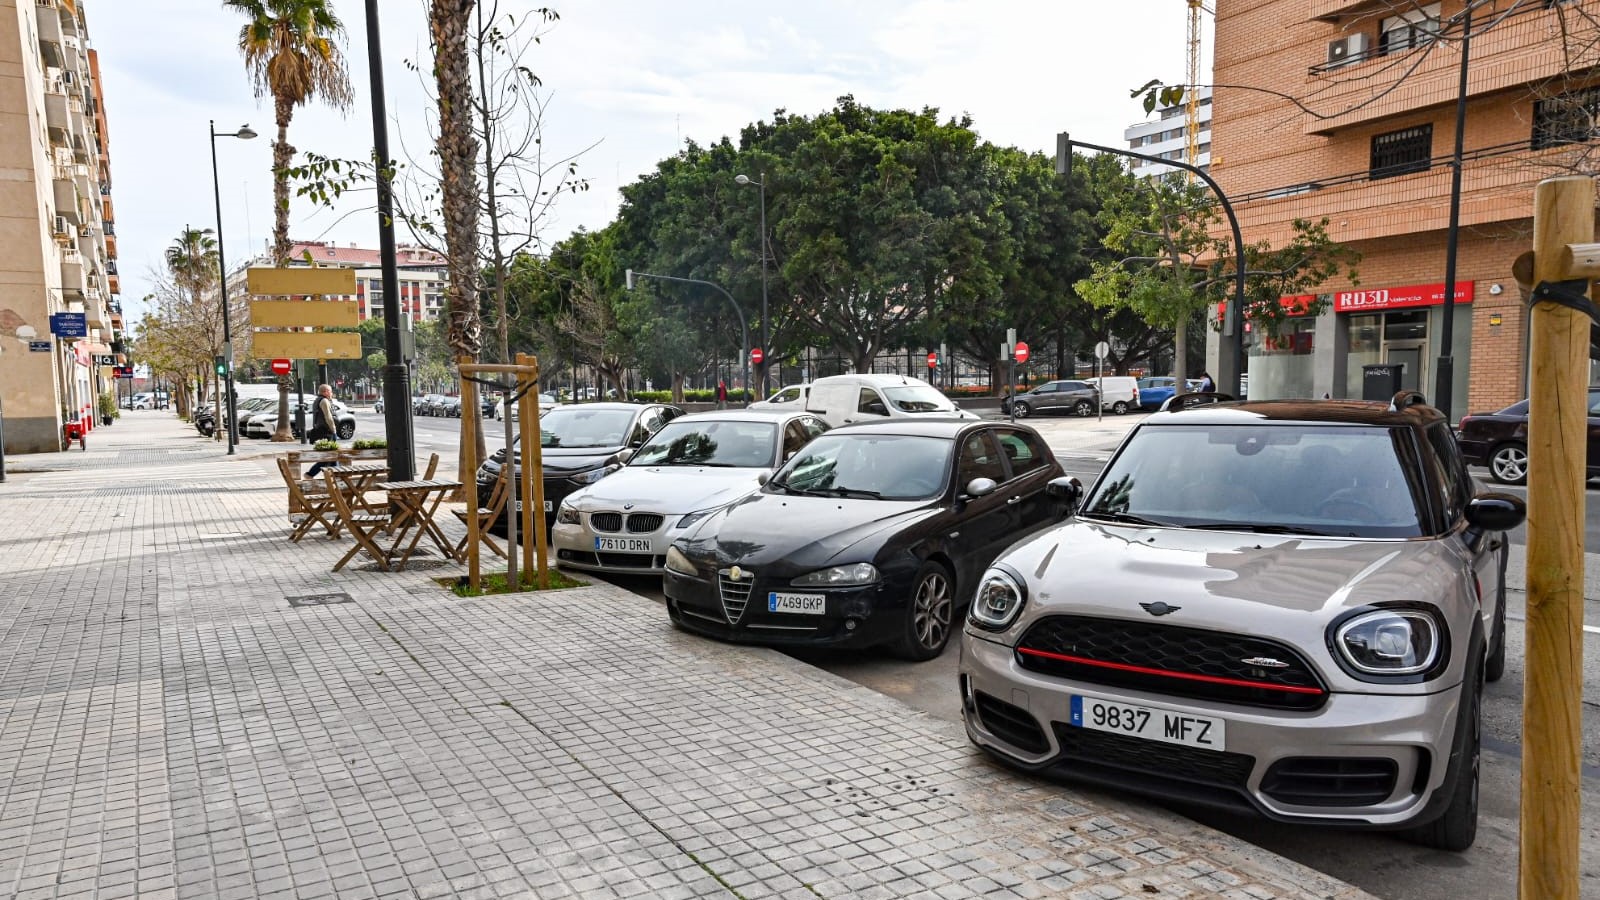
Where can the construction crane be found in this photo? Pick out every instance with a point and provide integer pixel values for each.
(1192, 88)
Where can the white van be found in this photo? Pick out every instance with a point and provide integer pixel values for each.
(842, 399)
(1118, 393)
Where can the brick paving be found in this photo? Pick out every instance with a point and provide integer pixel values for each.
(171, 726)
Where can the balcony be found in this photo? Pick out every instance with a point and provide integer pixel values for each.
(114, 285)
(49, 22)
(73, 280)
(106, 215)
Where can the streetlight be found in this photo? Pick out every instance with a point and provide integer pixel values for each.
(762, 184)
(744, 332)
(244, 134)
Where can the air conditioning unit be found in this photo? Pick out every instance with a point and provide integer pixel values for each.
(1348, 49)
(61, 226)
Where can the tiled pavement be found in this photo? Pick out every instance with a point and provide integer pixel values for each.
(171, 726)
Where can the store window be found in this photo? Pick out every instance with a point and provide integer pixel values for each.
(1281, 363)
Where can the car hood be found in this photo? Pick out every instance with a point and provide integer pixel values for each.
(784, 531)
(1285, 587)
(564, 460)
(668, 489)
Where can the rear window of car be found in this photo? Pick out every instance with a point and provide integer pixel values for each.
(1316, 479)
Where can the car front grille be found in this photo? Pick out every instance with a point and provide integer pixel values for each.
(735, 594)
(1172, 660)
(606, 521)
(1010, 723)
(1215, 768)
(644, 523)
(1330, 781)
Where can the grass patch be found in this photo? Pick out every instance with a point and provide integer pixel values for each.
(495, 583)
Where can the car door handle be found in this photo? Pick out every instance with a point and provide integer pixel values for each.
(1013, 500)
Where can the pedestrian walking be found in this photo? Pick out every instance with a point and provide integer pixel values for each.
(722, 395)
(322, 425)
(1207, 384)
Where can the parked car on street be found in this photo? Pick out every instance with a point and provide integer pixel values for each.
(262, 426)
(579, 445)
(1155, 390)
(1069, 396)
(873, 534)
(1499, 440)
(687, 470)
(1285, 608)
(546, 402)
(843, 399)
(791, 397)
(1118, 393)
(450, 407)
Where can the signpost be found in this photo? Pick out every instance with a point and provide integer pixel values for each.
(38, 346)
(1101, 351)
(105, 359)
(1021, 351)
(933, 360)
(756, 356)
(307, 345)
(69, 325)
(300, 281)
(281, 366)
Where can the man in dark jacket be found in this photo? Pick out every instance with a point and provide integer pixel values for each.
(322, 426)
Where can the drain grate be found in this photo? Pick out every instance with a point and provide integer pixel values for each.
(306, 600)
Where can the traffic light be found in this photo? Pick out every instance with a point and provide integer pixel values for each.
(222, 367)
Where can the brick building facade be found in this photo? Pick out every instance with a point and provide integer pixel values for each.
(1358, 128)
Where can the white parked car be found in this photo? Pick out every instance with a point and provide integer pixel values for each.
(843, 399)
(546, 401)
(791, 397)
(692, 467)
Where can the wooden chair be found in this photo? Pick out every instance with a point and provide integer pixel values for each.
(487, 514)
(313, 501)
(363, 526)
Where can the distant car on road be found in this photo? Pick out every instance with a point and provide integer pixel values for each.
(1068, 396)
(791, 397)
(262, 426)
(1157, 389)
(1499, 440)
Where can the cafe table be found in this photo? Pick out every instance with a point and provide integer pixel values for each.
(418, 502)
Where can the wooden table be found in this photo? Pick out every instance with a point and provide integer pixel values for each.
(356, 480)
(417, 502)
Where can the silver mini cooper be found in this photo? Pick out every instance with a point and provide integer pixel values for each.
(1285, 607)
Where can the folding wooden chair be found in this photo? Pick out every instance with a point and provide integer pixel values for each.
(487, 514)
(363, 526)
(317, 508)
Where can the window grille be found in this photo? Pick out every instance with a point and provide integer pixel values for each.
(1567, 118)
(1402, 152)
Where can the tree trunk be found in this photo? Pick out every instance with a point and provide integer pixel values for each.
(677, 387)
(1180, 355)
(282, 155)
(449, 23)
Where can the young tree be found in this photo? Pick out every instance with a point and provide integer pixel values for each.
(291, 52)
(192, 268)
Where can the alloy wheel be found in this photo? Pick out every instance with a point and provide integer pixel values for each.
(931, 609)
(1510, 464)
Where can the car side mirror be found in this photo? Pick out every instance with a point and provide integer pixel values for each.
(876, 409)
(1067, 491)
(980, 487)
(1496, 512)
(763, 476)
(624, 455)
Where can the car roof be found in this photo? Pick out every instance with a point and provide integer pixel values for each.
(603, 407)
(1315, 412)
(759, 414)
(877, 379)
(926, 427)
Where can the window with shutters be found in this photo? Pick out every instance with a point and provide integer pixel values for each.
(1402, 152)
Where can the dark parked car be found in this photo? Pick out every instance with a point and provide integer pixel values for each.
(1070, 396)
(579, 445)
(1499, 440)
(873, 534)
(450, 407)
(1287, 608)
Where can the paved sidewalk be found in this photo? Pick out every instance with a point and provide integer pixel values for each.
(170, 726)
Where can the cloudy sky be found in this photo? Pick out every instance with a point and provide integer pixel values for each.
(628, 79)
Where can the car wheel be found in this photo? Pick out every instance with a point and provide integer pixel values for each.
(347, 430)
(1495, 667)
(1083, 409)
(1120, 408)
(1458, 827)
(1509, 464)
(1021, 410)
(929, 614)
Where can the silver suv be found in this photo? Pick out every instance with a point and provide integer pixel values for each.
(1283, 607)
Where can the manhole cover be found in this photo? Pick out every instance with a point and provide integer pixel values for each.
(318, 600)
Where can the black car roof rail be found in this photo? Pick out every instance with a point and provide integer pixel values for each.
(1180, 402)
(1406, 399)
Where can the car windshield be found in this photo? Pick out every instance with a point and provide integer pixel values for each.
(918, 398)
(873, 466)
(575, 426)
(747, 445)
(1299, 479)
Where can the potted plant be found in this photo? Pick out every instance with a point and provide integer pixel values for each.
(108, 408)
(371, 448)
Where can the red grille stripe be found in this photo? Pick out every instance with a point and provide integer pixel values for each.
(1167, 673)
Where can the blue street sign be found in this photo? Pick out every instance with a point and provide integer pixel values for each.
(69, 325)
(38, 346)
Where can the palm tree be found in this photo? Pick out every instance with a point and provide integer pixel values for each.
(290, 52)
(192, 262)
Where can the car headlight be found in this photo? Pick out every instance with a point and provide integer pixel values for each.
(566, 515)
(1389, 641)
(593, 475)
(678, 562)
(694, 517)
(839, 576)
(998, 602)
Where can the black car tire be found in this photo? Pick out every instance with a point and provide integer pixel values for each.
(1021, 410)
(930, 614)
(1456, 830)
(1120, 408)
(1508, 464)
(1083, 409)
(1494, 668)
(347, 430)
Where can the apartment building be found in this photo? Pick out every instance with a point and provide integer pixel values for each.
(57, 241)
(1345, 110)
(1167, 135)
(422, 281)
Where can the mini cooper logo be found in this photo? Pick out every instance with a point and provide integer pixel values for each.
(1265, 662)
(735, 573)
(1159, 608)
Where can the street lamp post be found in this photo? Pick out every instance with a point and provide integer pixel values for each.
(744, 332)
(762, 184)
(243, 134)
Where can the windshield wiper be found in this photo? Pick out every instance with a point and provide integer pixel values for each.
(1255, 528)
(850, 492)
(788, 488)
(1126, 518)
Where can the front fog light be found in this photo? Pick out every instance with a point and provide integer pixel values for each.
(999, 599)
(1390, 642)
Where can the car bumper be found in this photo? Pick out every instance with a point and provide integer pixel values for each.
(1267, 759)
(580, 546)
(1475, 453)
(852, 617)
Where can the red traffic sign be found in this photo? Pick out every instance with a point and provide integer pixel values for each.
(281, 366)
(756, 356)
(1021, 352)
(933, 360)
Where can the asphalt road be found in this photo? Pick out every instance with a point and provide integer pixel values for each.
(1384, 865)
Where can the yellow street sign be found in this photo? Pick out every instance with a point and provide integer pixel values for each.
(305, 345)
(267, 281)
(304, 314)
